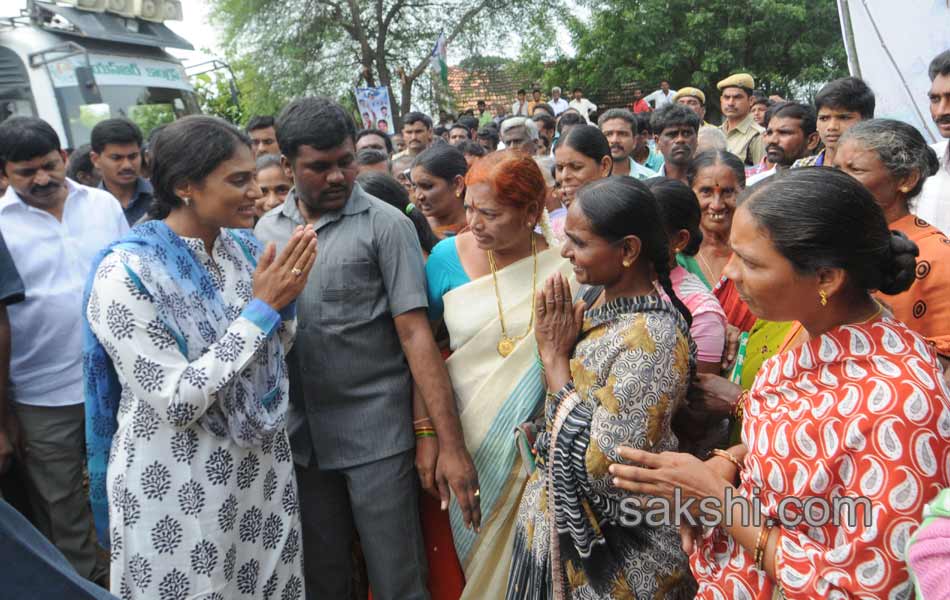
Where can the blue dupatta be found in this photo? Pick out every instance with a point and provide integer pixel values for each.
(194, 313)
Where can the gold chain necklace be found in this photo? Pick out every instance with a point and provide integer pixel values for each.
(877, 312)
(708, 271)
(507, 343)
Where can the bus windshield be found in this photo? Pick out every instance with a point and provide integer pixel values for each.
(148, 107)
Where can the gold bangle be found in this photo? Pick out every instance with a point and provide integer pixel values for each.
(737, 410)
(728, 456)
(760, 545)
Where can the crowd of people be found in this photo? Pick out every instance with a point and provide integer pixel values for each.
(484, 358)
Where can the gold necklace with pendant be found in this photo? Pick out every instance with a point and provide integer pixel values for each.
(507, 343)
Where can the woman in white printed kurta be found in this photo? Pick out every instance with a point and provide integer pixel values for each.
(193, 514)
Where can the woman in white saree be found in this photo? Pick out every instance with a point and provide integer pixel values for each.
(483, 282)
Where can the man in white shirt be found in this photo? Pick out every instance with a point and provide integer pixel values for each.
(520, 107)
(662, 96)
(933, 203)
(582, 104)
(53, 227)
(557, 103)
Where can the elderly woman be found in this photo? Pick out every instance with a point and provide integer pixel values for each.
(615, 375)
(717, 177)
(892, 160)
(186, 386)
(482, 282)
(858, 412)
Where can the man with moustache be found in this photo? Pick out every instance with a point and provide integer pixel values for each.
(459, 133)
(619, 126)
(372, 138)
(416, 133)
(260, 128)
(790, 135)
(933, 203)
(363, 341)
(675, 128)
(743, 135)
(488, 138)
(117, 154)
(53, 228)
(695, 100)
(547, 127)
(520, 134)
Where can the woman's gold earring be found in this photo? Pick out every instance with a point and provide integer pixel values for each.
(823, 297)
(626, 264)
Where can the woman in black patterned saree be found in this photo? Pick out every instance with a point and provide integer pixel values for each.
(615, 375)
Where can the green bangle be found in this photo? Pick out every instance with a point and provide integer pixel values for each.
(422, 434)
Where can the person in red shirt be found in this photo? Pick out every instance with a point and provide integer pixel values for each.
(639, 105)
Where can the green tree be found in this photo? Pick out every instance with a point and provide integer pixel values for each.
(327, 46)
(789, 46)
(238, 91)
(216, 98)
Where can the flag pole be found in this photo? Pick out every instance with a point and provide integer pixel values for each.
(847, 31)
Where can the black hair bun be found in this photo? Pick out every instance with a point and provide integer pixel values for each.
(695, 241)
(933, 163)
(899, 269)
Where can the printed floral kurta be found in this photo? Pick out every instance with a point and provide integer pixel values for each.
(629, 372)
(192, 515)
(862, 411)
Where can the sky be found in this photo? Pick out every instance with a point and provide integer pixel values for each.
(195, 27)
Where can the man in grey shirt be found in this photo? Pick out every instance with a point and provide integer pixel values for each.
(363, 340)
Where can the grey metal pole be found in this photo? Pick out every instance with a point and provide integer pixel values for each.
(844, 11)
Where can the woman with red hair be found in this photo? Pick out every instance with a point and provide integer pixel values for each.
(482, 283)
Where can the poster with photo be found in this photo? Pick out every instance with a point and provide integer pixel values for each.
(373, 105)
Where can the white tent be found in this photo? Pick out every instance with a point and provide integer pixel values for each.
(890, 44)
